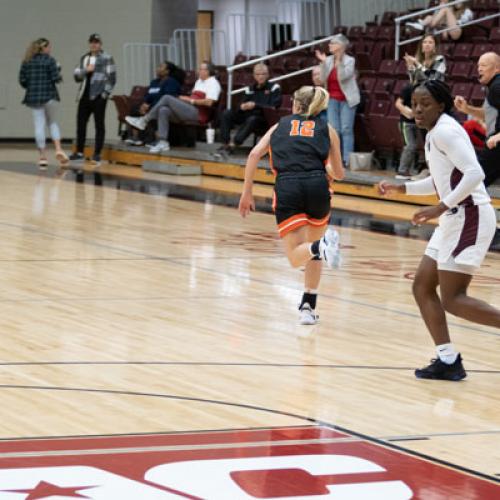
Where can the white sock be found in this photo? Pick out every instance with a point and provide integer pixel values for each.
(447, 353)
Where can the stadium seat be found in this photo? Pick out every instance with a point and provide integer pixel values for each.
(461, 71)
(386, 33)
(462, 51)
(495, 35)
(383, 88)
(388, 68)
(463, 89)
(480, 49)
(355, 32)
(478, 94)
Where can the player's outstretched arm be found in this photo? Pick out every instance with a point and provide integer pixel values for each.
(247, 203)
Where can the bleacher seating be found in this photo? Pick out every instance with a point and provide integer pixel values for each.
(381, 78)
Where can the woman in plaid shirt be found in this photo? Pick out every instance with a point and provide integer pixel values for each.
(39, 75)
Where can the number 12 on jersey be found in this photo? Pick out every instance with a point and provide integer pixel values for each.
(304, 129)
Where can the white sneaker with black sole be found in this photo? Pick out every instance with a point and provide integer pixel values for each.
(159, 147)
(139, 123)
(307, 316)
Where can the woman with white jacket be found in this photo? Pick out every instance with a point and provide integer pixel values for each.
(339, 74)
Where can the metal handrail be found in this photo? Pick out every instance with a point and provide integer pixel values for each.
(398, 20)
(253, 62)
(277, 78)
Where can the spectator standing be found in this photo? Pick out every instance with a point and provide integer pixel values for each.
(488, 68)
(409, 132)
(250, 113)
(339, 74)
(97, 76)
(427, 64)
(39, 75)
(193, 108)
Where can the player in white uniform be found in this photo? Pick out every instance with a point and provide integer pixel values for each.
(466, 227)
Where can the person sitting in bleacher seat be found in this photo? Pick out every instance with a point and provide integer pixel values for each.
(427, 64)
(446, 17)
(168, 81)
(249, 115)
(194, 109)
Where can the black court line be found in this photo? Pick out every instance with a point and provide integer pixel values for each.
(173, 260)
(221, 363)
(130, 299)
(261, 409)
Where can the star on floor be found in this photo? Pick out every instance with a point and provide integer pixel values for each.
(44, 490)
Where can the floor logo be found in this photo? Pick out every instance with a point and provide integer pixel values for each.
(307, 463)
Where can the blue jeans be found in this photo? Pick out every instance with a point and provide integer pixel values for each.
(341, 118)
(45, 115)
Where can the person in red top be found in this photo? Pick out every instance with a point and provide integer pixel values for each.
(339, 73)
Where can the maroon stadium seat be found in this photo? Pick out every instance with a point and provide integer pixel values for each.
(461, 71)
(388, 68)
(462, 51)
(478, 94)
(479, 49)
(462, 88)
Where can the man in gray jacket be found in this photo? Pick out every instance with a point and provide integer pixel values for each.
(339, 74)
(97, 76)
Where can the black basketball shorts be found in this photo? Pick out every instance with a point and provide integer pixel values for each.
(300, 200)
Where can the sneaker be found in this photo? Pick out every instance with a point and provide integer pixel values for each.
(438, 370)
(307, 316)
(76, 157)
(329, 248)
(160, 147)
(133, 142)
(416, 25)
(96, 160)
(62, 157)
(422, 175)
(403, 176)
(137, 122)
(43, 163)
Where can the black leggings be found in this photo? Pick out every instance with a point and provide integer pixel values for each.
(87, 107)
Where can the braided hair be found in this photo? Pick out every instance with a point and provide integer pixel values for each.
(440, 92)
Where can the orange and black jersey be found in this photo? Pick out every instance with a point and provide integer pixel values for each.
(299, 144)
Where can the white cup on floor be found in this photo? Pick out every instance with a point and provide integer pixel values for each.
(210, 133)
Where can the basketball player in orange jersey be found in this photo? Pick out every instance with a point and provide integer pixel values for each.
(303, 148)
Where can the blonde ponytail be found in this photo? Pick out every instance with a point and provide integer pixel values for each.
(311, 100)
(319, 102)
(35, 48)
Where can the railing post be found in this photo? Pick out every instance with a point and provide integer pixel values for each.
(229, 88)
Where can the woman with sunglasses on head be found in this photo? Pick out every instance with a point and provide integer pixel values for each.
(39, 75)
(466, 227)
(303, 148)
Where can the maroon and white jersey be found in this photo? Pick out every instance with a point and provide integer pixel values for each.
(455, 173)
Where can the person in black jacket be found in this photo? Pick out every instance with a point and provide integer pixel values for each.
(249, 115)
(39, 75)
